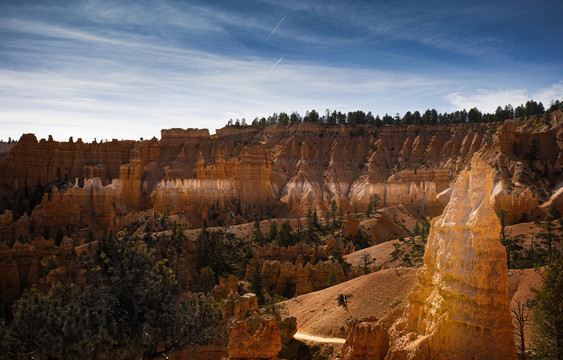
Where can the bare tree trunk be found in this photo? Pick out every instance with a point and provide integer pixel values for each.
(520, 317)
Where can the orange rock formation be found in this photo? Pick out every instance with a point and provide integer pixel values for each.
(279, 171)
(255, 338)
(460, 307)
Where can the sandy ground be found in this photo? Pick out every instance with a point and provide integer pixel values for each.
(526, 231)
(320, 319)
(381, 253)
(376, 294)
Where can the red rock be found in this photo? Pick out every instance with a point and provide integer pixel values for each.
(255, 338)
(222, 290)
(238, 306)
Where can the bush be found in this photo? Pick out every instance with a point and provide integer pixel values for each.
(131, 305)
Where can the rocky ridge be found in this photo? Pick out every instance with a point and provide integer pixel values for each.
(279, 171)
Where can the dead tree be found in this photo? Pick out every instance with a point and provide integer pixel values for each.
(520, 317)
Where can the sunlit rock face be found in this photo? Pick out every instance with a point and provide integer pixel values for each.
(282, 170)
(255, 338)
(460, 307)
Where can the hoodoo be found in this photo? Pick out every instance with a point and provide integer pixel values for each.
(460, 307)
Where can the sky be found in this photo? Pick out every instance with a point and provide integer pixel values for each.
(127, 69)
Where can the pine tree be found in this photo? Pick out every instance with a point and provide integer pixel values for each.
(258, 237)
(310, 221)
(369, 209)
(315, 219)
(547, 311)
(285, 237)
(332, 280)
(132, 304)
(340, 216)
(206, 279)
(367, 260)
(333, 208)
(547, 234)
(257, 283)
(273, 230)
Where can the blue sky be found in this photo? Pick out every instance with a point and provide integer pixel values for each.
(126, 69)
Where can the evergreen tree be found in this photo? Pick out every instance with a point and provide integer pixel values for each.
(505, 239)
(316, 224)
(131, 305)
(273, 230)
(210, 252)
(310, 221)
(374, 202)
(547, 308)
(201, 246)
(257, 283)
(369, 209)
(333, 208)
(206, 279)
(337, 255)
(327, 219)
(367, 261)
(416, 230)
(332, 280)
(340, 216)
(547, 234)
(258, 237)
(284, 236)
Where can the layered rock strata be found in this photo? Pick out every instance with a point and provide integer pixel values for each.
(460, 307)
(283, 170)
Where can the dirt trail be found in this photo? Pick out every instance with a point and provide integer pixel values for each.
(326, 340)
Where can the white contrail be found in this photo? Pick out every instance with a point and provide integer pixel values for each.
(273, 31)
(276, 64)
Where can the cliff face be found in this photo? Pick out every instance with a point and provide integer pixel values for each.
(31, 165)
(460, 307)
(281, 170)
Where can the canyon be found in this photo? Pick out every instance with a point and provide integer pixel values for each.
(279, 171)
(378, 185)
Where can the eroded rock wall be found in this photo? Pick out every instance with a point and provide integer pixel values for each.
(283, 170)
(91, 205)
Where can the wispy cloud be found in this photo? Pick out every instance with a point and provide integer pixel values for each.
(489, 100)
(192, 88)
(92, 70)
(445, 26)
